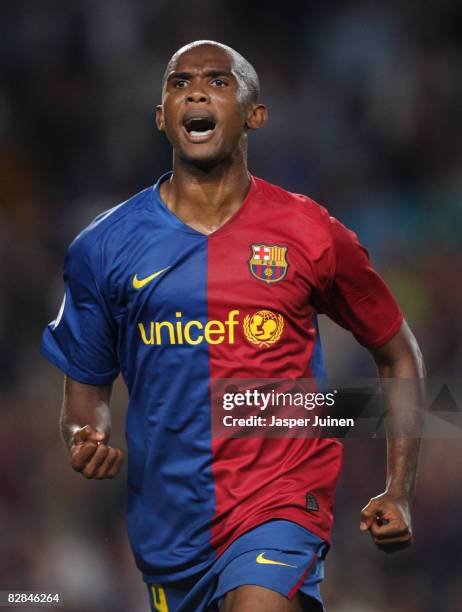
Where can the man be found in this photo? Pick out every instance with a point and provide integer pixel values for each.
(214, 274)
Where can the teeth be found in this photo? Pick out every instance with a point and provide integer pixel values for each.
(206, 133)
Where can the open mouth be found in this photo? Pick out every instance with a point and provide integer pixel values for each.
(199, 128)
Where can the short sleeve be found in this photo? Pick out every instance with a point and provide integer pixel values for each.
(81, 341)
(356, 297)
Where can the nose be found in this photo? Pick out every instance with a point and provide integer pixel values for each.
(197, 96)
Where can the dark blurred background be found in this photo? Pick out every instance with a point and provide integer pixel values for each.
(365, 107)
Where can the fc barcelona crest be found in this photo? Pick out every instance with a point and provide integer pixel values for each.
(268, 262)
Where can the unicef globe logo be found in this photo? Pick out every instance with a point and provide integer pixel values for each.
(263, 327)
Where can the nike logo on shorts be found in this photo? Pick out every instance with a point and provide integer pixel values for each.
(264, 560)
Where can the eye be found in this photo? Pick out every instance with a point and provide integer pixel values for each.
(181, 84)
(219, 83)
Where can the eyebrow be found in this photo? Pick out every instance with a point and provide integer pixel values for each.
(209, 73)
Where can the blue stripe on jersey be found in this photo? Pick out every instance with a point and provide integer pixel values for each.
(171, 506)
(317, 360)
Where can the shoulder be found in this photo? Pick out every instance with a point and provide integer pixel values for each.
(302, 208)
(102, 240)
(115, 219)
(298, 206)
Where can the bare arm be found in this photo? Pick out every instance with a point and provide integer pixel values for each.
(387, 516)
(85, 425)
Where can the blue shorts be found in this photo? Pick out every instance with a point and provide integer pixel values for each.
(279, 555)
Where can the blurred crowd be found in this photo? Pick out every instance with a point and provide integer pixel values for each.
(364, 102)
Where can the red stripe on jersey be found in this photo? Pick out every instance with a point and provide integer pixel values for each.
(258, 479)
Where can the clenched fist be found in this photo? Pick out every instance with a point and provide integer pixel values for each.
(388, 519)
(92, 457)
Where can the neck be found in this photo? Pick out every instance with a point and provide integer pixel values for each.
(205, 198)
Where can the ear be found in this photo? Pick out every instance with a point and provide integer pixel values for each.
(257, 115)
(160, 117)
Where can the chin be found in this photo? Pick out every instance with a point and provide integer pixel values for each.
(203, 159)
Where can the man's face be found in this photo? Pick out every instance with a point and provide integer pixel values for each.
(204, 111)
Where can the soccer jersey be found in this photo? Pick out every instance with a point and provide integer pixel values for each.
(173, 309)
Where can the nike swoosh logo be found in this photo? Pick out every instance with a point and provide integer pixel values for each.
(262, 559)
(138, 284)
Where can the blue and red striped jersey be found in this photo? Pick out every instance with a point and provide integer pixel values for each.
(173, 309)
